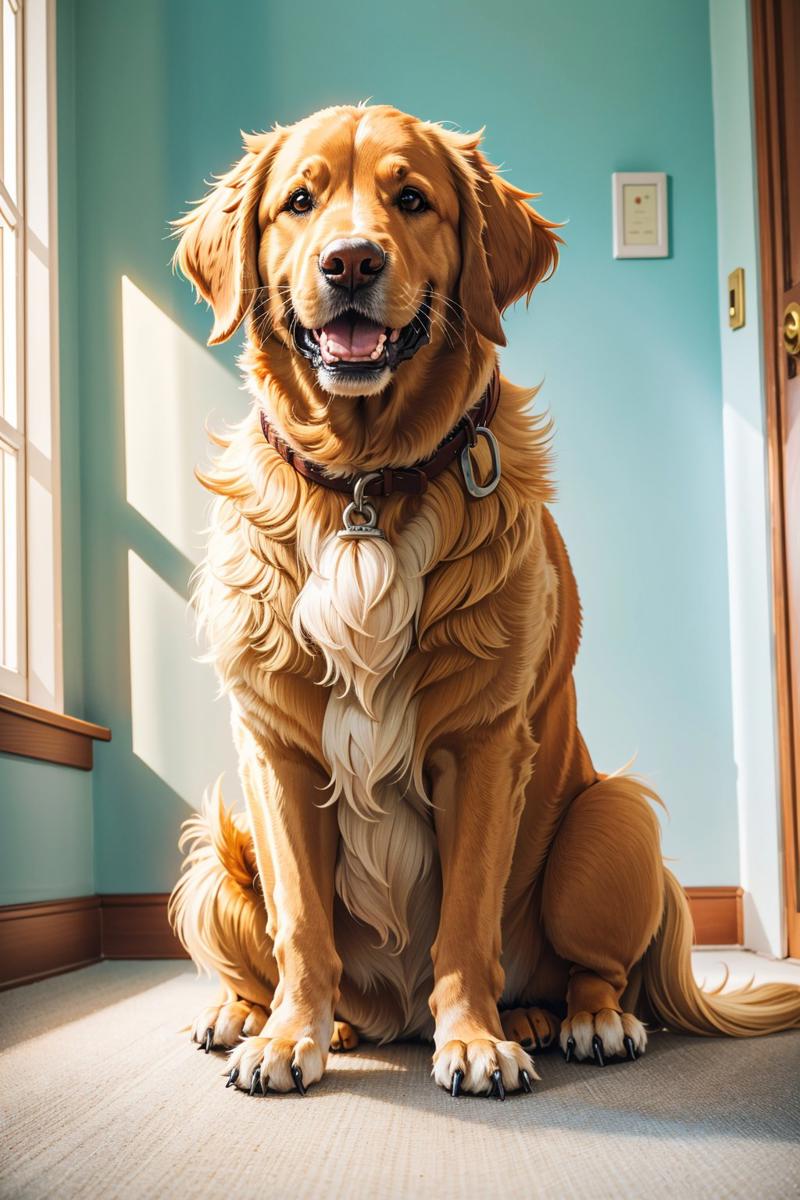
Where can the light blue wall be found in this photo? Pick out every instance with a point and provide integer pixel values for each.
(629, 352)
(46, 846)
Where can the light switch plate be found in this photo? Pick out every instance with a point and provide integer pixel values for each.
(641, 224)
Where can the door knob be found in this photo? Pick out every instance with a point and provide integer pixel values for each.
(791, 329)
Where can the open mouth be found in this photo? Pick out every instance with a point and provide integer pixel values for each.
(352, 344)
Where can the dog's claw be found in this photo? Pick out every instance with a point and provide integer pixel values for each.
(498, 1091)
(209, 1039)
(630, 1048)
(255, 1083)
(232, 1077)
(569, 1049)
(455, 1083)
(597, 1050)
(539, 1045)
(297, 1076)
(526, 1081)
(526, 1044)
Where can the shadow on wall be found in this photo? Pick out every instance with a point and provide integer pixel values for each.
(165, 373)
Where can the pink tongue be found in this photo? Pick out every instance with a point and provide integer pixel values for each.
(353, 339)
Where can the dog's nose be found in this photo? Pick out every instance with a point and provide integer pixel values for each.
(352, 262)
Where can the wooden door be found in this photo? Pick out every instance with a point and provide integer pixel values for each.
(776, 78)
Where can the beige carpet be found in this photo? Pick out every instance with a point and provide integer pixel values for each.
(101, 1097)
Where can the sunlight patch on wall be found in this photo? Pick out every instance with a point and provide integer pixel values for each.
(172, 386)
(179, 727)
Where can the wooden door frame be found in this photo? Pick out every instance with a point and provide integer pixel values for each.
(770, 216)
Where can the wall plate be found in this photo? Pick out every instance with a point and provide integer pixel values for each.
(736, 298)
(640, 219)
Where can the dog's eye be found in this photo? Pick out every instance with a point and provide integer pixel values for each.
(411, 200)
(300, 201)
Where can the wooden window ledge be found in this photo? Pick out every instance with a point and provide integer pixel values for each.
(35, 732)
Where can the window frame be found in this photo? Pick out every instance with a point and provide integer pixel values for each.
(38, 678)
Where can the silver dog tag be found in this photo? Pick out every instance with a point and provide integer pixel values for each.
(357, 530)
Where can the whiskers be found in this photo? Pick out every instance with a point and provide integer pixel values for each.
(264, 319)
(450, 318)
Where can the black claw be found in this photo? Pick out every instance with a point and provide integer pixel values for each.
(630, 1048)
(234, 1075)
(526, 1043)
(498, 1091)
(297, 1076)
(597, 1050)
(569, 1049)
(538, 1043)
(255, 1083)
(455, 1083)
(209, 1039)
(526, 1081)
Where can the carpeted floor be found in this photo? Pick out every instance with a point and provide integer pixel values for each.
(101, 1097)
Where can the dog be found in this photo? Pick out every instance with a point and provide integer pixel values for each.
(427, 849)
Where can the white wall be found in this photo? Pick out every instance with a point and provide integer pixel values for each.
(746, 491)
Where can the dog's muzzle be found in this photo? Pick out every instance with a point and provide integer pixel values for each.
(352, 344)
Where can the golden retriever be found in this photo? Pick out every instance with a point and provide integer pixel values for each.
(427, 849)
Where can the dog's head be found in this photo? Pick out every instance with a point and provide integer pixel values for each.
(364, 244)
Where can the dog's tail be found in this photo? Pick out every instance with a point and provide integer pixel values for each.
(678, 1003)
(216, 908)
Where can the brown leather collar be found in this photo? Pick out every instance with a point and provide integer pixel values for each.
(411, 481)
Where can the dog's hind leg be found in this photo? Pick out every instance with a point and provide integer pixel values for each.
(219, 916)
(602, 902)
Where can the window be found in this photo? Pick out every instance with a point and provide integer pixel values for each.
(30, 635)
(12, 426)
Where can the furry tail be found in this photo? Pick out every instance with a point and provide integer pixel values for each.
(678, 1002)
(216, 908)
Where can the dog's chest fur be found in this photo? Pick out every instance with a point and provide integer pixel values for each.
(359, 607)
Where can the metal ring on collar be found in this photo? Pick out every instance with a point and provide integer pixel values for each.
(366, 528)
(358, 489)
(476, 489)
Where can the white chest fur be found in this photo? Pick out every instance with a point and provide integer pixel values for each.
(359, 607)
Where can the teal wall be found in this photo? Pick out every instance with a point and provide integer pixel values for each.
(628, 351)
(46, 845)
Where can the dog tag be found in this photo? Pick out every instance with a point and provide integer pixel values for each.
(358, 530)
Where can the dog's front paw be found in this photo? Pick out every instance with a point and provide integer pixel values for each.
(602, 1035)
(222, 1025)
(484, 1066)
(276, 1064)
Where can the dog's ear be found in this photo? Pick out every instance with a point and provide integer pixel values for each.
(506, 246)
(218, 247)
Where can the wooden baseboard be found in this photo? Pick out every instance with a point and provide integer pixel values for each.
(43, 939)
(37, 940)
(718, 915)
(136, 926)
